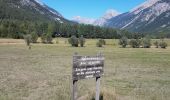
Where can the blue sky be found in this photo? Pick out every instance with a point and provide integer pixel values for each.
(90, 8)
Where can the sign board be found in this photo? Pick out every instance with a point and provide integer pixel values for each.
(87, 67)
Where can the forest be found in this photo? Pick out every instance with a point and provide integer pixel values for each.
(16, 29)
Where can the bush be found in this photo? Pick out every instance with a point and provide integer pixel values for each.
(156, 43)
(100, 43)
(57, 41)
(103, 41)
(82, 41)
(49, 38)
(123, 41)
(73, 40)
(28, 40)
(135, 43)
(34, 37)
(43, 38)
(146, 42)
(46, 38)
(163, 44)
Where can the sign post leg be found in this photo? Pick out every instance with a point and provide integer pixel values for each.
(97, 88)
(74, 95)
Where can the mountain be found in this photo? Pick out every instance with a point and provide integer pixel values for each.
(151, 16)
(98, 22)
(31, 10)
(108, 15)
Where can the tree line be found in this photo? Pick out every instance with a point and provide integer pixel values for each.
(16, 29)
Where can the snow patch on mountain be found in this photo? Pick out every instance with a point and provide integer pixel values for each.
(143, 6)
(133, 20)
(55, 13)
(41, 3)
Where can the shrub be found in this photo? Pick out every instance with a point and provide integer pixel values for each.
(49, 38)
(103, 41)
(43, 38)
(100, 43)
(163, 44)
(57, 41)
(73, 40)
(135, 43)
(156, 43)
(28, 40)
(34, 37)
(146, 42)
(46, 38)
(82, 41)
(123, 41)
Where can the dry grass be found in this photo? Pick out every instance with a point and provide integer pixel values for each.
(44, 72)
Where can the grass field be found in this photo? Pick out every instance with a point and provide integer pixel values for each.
(44, 72)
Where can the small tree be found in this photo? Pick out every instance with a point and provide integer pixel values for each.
(146, 42)
(49, 38)
(100, 43)
(163, 44)
(135, 43)
(103, 41)
(73, 40)
(156, 43)
(82, 41)
(34, 37)
(43, 38)
(28, 40)
(123, 41)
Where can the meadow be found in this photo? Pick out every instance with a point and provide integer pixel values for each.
(44, 72)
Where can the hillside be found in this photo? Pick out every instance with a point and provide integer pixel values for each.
(153, 16)
(30, 10)
(18, 17)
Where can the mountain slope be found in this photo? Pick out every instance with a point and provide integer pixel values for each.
(151, 16)
(32, 10)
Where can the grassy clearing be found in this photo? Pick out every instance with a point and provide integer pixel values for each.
(44, 72)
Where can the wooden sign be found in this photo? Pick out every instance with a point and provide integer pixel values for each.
(87, 67)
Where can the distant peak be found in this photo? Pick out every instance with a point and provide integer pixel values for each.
(83, 20)
(110, 13)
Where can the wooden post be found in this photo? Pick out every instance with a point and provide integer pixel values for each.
(98, 83)
(74, 90)
(75, 94)
(97, 88)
